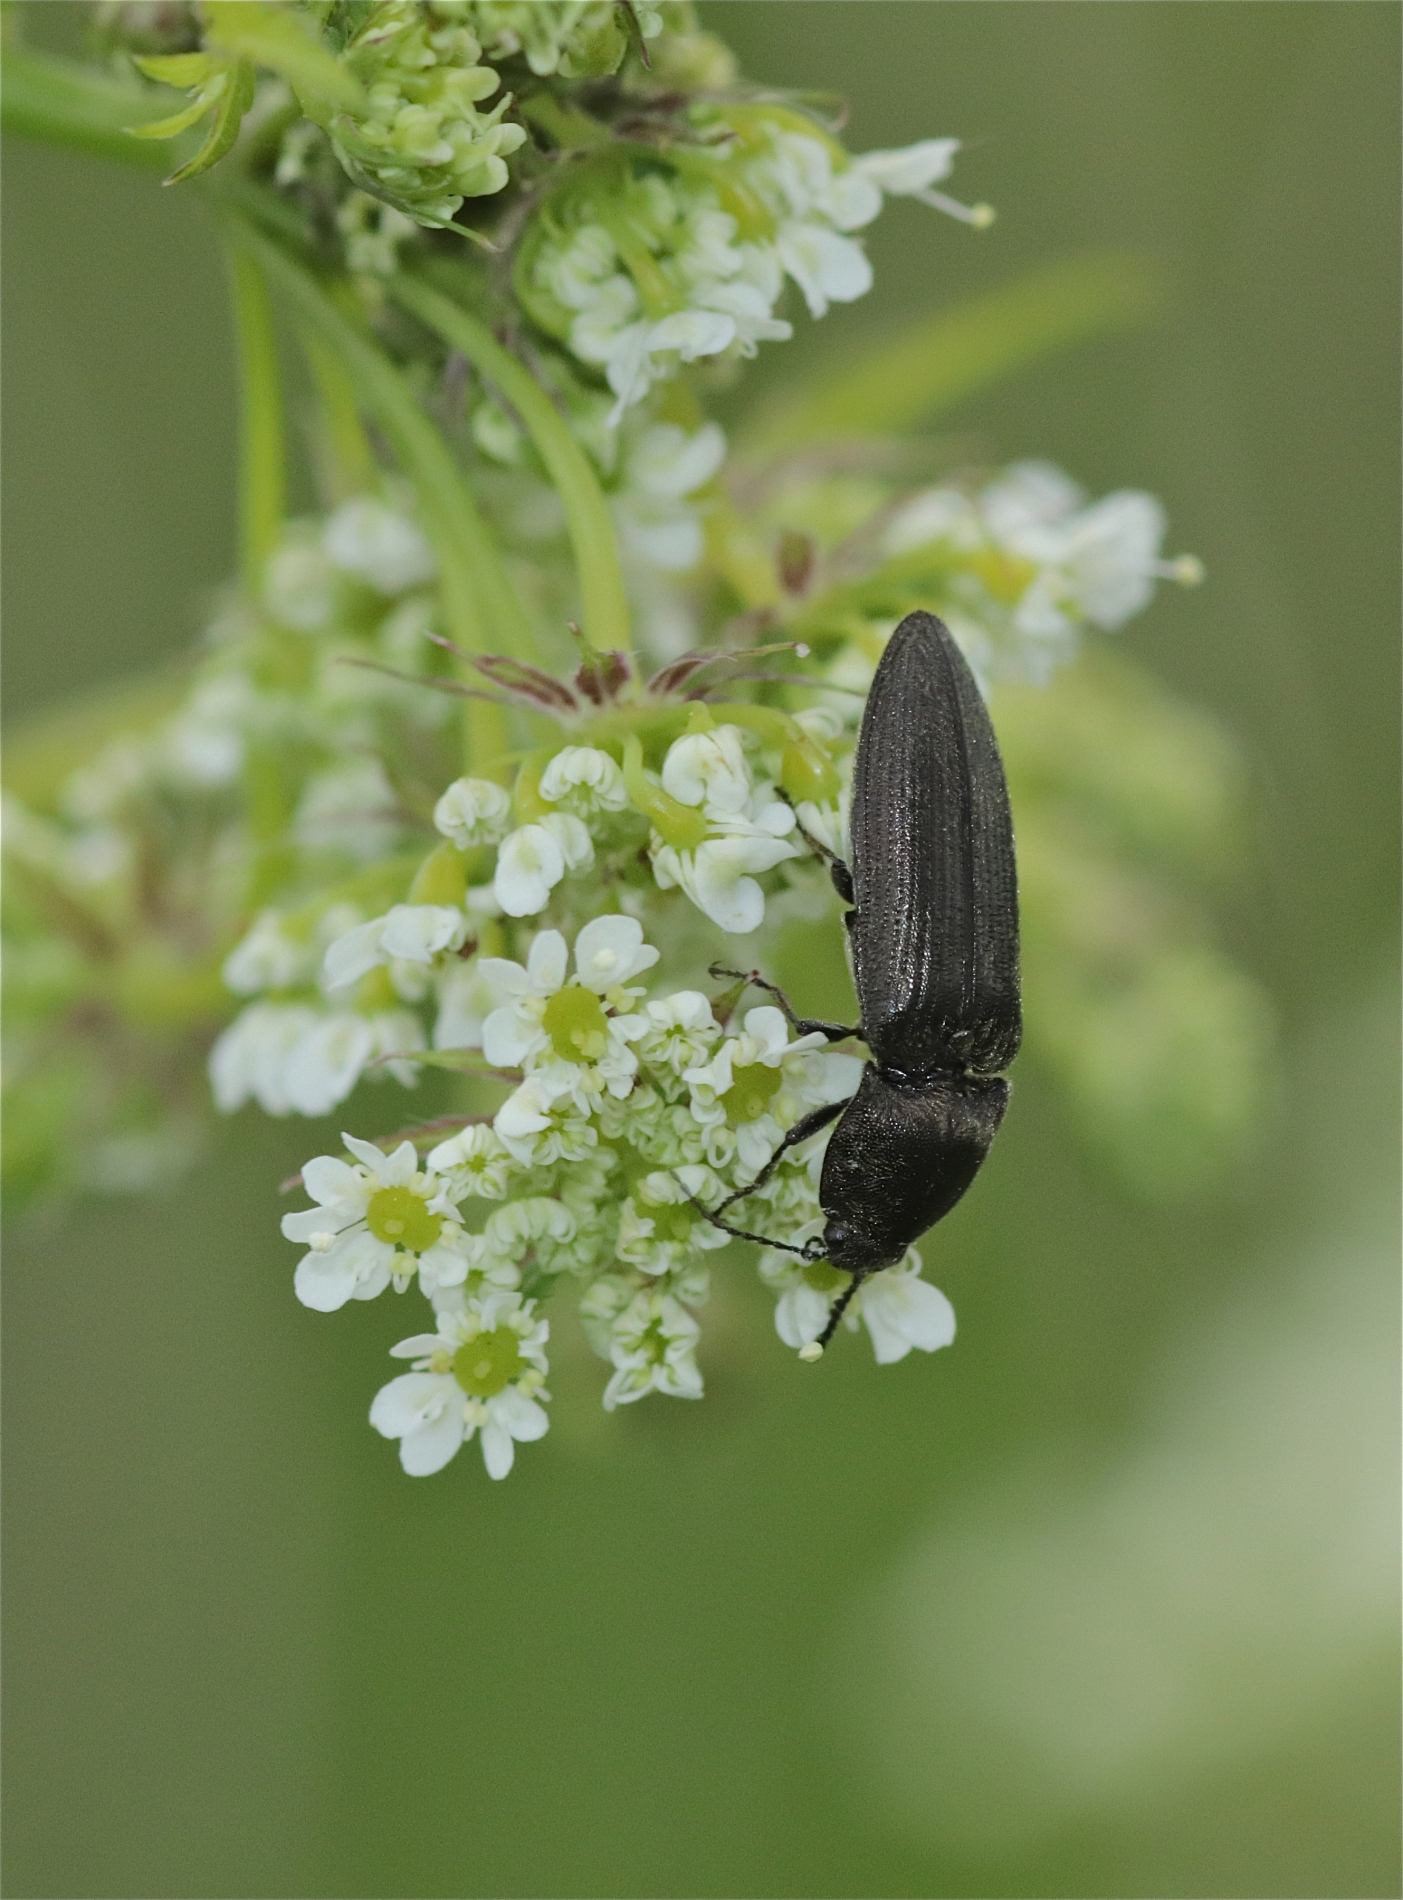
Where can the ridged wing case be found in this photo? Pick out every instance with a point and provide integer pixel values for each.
(935, 930)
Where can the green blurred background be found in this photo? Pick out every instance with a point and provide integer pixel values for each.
(1103, 1600)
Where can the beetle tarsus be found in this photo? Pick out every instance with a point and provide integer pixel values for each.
(842, 877)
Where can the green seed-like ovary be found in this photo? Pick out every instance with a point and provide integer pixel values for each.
(398, 1215)
(576, 1024)
(488, 1364)
(752, 1090)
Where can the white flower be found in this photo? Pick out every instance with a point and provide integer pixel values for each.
(899, 1309)
(380, 1220)
(911, 169)
(638, 355)
(1112, 557)
(475, 1161)
(542, 1121)
(718, 876)
(250, 1058)
(724, 288)
(1026, 497)
(411, 933)
(543, 1017)
(651, 1339)
(537, 1228)
(1034, 562)
(827, 267)
(759, 1083)
(533, 859)
(663, 466)
(709, 769)
(680, 1031)
(327, 1062)
(659, 1227)
(465, 1000)
(472, 811)
(378, 546)
(828, 823)
(483, 1371)
(267, 958)
(585, 780)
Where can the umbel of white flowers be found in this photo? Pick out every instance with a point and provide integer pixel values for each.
(631, 1111)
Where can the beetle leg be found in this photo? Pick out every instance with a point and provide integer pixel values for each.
(805, 1025)
(838, 1308)
(842, 877)
(808, 1125)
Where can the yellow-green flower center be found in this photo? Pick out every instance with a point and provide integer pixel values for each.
(576, 1024)
(824, 1278)
(1005, 575)
(752, 1090)
(671, 1221)
(398, 1215)
(488, 1364)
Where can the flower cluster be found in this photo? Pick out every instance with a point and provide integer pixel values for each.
(390, 831)
(1029, 563)
(423, 142)
(631, 1115)
(641, 267)
(578, 39)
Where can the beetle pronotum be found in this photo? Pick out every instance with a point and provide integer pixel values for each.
(933, 930)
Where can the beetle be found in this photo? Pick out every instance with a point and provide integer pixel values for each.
(933, 935)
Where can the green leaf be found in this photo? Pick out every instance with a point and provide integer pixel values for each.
(178, 69)
(270, 35)
(591, 527)
(172, 127)
(901, 382)
(234, 102)
(60, 102)
(262, 456)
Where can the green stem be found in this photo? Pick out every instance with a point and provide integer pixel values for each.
(479, 604)
(262, 454)
(60, 102)
(349, 464)
(591, 527)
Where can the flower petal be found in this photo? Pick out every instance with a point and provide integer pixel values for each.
(429, 1449)
(519, 1415)
(498, 1451)
(365, 1151)
(328, 1179)
(352, 955)
(610, 951)
(410, 1401)
(547, 963)
(901, 1310)
(355, 1267)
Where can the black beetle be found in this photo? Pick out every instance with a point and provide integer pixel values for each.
(934, 937)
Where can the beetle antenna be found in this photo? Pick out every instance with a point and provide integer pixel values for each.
(814, 1349)
(740, 1233)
